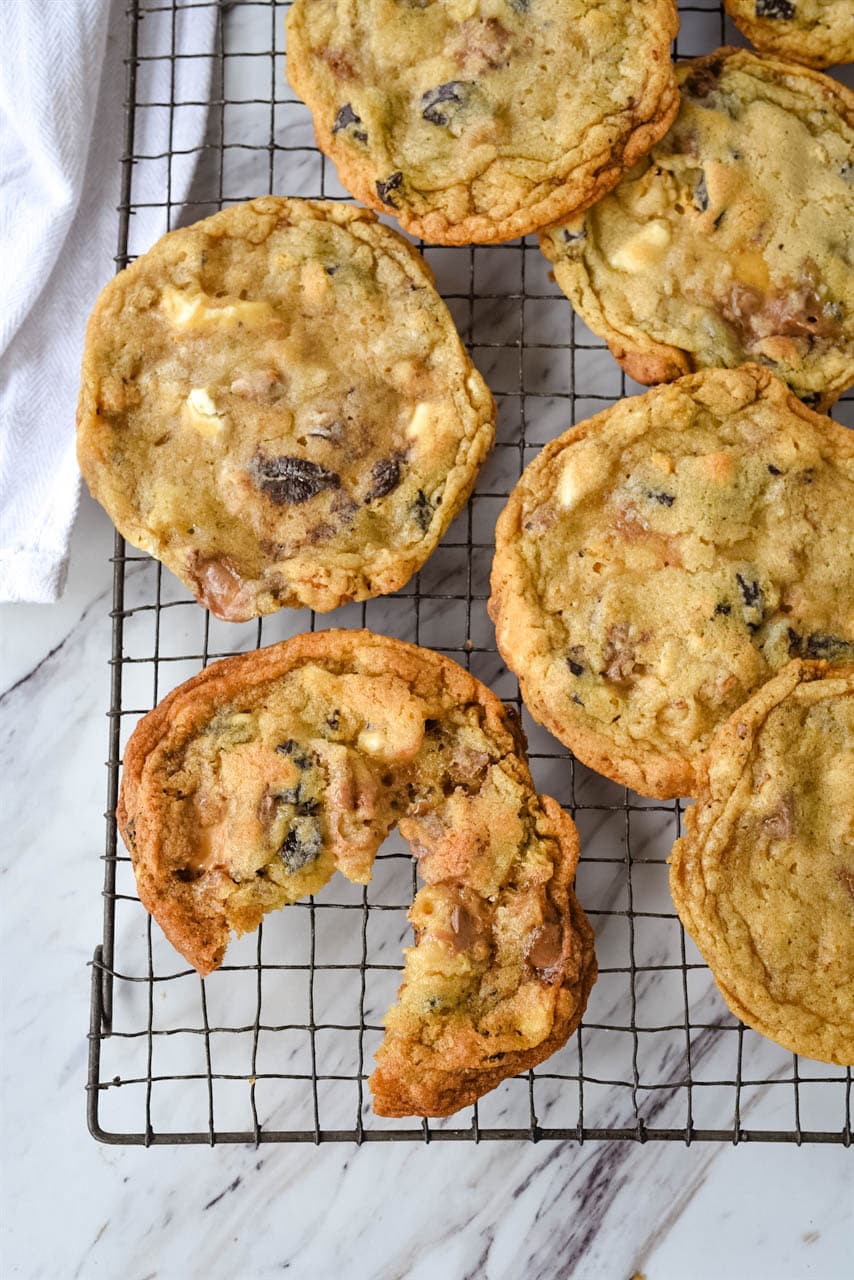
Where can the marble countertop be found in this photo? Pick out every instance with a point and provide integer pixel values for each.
(76, 1208)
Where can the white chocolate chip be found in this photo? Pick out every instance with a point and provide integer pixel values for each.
(201, 413)
(372, 741)
(583, 471)
(643, 249)
(196, 311)
(424, 419)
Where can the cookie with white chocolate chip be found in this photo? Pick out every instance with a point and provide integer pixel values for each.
(817, 33)
(655, 565)
(763, 878)
(276, 404)
(474, 121)
(252, 783)
(731, 240)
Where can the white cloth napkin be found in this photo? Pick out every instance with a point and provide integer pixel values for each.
(62, 88)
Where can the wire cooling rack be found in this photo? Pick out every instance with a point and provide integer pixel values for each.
(276, 1046)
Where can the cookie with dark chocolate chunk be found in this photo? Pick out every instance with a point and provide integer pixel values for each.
(486, 121)
(731, 240)
(249, 786)
(763, 878)
(277, 405)
(817, 33)
(636, 626)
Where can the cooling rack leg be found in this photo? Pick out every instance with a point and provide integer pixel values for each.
(96, 1029)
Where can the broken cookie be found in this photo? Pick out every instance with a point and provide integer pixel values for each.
(252, 783)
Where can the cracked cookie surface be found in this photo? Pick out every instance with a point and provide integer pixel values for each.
(818, 33)
(275, 403)
(252, 783)
(482, 120)
(763, 879)
(655, 565)
(731, 240)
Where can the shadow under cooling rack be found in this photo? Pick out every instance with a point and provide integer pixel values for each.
(276, 1046)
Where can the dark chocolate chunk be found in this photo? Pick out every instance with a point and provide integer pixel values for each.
(290, 795)
(385, 476)
(292, 480)
(302, 759)
(753, 600)
(751, 592)
(722, 609)
(775, 471)
(345, 119)
(451, 94)
(775, 9)
(334, 721)
(422, 510)
(701, 194)
(384, 189)
(301, 845)
(575, 659)
(820, 645)
(703, 80)
(665, 499)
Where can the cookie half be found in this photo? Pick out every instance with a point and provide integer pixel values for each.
(763, 879)
(655, 565)
(276, 404)
(476, 122)
(817, 33)
(251, 784)
(731, 240)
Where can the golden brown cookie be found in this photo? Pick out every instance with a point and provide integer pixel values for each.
(656, 564)
(763, 879)
(815, 32)
(482, 120)
(731, 241)
(276, 404)
(248, 786)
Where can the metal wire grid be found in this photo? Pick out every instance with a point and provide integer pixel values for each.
(276, 1046)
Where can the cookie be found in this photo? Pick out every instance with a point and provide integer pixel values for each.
(815, 32)
(276, 405)
(731, 241)
(480, 120)
(763, 879)
(251, 784)
(655, 565)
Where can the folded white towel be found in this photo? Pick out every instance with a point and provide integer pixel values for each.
(62, 88)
